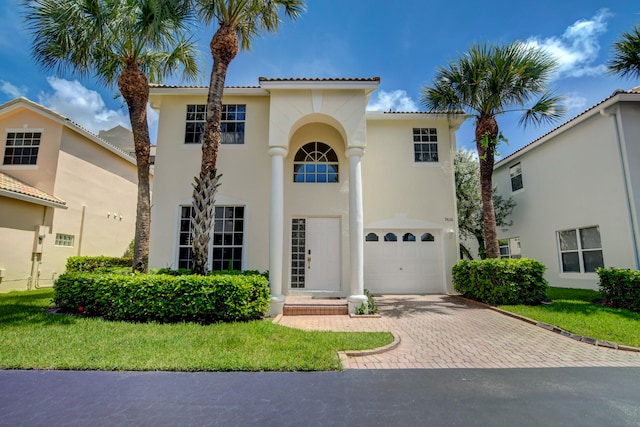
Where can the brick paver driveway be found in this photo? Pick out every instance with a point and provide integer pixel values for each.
(439, 331)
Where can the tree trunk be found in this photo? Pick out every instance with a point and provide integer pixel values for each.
(486, 141)
(134, 87)
(465, 252)
(224, 47)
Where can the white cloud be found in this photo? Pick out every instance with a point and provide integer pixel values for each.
(575, 102)
(12, 90)
(577, 49)
(397, 100)
(82, 105)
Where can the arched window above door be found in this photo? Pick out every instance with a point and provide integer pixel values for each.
(315, 162)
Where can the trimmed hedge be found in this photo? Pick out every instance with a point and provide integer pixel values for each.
(89, 264)
(501, 281)
(163, 298)
(620, 288)
(187, 271)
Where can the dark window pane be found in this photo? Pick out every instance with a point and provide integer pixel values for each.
(516, 183)
(427, 237)
(408, 237)
(570, 262)
(592, 260)
(390, 237)
(371, 237)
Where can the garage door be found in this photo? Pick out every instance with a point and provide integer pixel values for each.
(402, 262)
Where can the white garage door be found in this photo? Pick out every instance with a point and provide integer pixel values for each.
(403, 262)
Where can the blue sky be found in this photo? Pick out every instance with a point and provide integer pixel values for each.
(403, 44)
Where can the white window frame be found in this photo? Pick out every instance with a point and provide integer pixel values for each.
(212, 246)
(200, 117)
(511, 246)
(64, 240)
(429, 138)
(23, 130)
(579, 250)
(515, 171)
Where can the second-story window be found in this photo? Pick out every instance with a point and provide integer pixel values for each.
(425, 145)
(231, 125)
(21, 148)
(515, 172)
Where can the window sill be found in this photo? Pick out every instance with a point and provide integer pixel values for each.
(579, 276)
(18, 167)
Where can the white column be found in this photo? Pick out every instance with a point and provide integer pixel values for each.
(276, 229)
(356, 229)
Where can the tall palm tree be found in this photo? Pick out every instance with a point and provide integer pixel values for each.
(239, 21)
(488, 81)
(626, 55)
(128, 42)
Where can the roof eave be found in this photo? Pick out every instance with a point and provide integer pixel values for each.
(31, 199)
(596, 109)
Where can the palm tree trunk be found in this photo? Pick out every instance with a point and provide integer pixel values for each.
(134, 87)
(224, 47)
(486, 141)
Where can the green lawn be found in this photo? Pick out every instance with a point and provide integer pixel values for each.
(31, 338)
(574, 310)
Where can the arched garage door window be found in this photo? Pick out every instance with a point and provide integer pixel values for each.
(315, 162)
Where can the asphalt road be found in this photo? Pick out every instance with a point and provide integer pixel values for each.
(446, 397)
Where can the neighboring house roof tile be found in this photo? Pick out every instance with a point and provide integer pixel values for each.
(568, 123)
(14, 188)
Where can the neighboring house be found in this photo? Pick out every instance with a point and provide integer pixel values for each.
(63, 192)
(577, 191)
(328, 197)
(122, 138)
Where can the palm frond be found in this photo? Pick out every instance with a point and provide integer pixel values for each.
(626, 55)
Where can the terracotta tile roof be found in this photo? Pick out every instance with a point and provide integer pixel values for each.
(156, 85)
(13, 186)
(327, 79)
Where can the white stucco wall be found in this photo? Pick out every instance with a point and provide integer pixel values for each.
(412, 196)
(245, 180)
(573, 179)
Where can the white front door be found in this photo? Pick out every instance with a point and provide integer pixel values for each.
(316, 254)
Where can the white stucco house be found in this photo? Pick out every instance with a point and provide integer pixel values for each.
(577, 190)
(329, 197)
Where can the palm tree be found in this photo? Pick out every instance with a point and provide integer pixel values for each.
(239, 21)
(626, 55)
(488, 81)
(128, 42)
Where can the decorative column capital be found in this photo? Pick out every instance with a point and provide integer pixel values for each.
(278, 151)
(354, 151)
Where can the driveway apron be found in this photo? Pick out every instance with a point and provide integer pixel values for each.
(440, 331)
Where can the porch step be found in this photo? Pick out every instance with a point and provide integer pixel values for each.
(315, 309)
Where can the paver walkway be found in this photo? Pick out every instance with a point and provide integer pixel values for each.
(439, 331)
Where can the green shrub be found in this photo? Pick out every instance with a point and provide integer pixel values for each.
(187, 271)
(620, 288)
(369, 307)
(501, 281)
(89, 264)
(163, 298)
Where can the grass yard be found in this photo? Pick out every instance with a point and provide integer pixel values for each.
(574, 310)
(31, 338)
